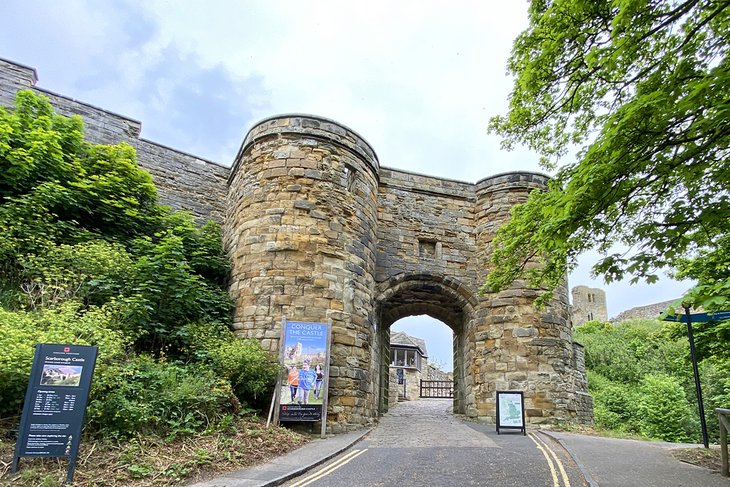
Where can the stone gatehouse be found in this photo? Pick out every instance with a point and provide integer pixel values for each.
(317, 230)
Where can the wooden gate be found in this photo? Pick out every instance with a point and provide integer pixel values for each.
(437, 388)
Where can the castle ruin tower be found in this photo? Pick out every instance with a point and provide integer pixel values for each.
(300, 232)
(589, 303)
(514, 345)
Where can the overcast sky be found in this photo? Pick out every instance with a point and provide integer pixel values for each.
(417, 79)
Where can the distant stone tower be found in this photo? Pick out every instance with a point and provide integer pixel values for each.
(589, 304)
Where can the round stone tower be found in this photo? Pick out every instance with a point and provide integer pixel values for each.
(301, 235)
(516, 346)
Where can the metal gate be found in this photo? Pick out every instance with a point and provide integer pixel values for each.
(437, 388)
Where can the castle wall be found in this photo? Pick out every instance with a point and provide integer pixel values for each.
(512, 344)
(316, 230)
(183, 181)
(300, 233)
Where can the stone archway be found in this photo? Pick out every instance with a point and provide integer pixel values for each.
(317, 231)
(442, 298)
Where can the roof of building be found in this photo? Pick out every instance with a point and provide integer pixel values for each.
(403, 339)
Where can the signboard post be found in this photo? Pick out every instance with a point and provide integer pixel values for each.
(305, 354)
(55, 403)
(511, 411)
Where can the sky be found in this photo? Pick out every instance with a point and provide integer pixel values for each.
(418, 80)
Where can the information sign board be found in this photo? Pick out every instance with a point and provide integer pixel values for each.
(510, 411)
(55, 403)
(305, 356)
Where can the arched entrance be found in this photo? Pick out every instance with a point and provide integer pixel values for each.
(445, 299)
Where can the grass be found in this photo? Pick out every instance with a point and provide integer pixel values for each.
(702, 457)
(146, 461)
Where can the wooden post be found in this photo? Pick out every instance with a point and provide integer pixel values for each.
(722, 416)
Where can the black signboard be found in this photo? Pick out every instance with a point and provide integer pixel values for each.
(511, 411)
(55, 403)
(303, 412)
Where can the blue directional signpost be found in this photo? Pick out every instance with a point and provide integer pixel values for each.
(698, 318)
(55, 403)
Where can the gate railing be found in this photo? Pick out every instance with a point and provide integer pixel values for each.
(437, 388)
(723, 416)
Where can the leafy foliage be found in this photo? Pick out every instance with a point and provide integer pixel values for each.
(663, 408)
(20, 331)
(643, 88)
(641, 379)
(145, 396)
(87, 255)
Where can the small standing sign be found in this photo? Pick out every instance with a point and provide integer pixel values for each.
(55, 403)
(305, 354)
(511, 411)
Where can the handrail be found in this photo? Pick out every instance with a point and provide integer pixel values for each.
(723, 416)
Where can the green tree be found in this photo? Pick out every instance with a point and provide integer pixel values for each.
(664, 409)
(643, 90)
(56, 188)
(87, 255)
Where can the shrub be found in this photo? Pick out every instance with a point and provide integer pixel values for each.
(146, 396)
(20, 331)
(250, 369)
(663, 407)
(614, 404)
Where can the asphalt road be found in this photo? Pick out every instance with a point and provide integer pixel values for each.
(420, 443)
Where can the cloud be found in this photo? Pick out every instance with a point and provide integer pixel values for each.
(418, 79)
(415, 79)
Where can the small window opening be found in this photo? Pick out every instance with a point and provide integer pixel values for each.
(427, 248)
(348, 178)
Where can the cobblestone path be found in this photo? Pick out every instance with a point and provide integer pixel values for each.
(425, 423)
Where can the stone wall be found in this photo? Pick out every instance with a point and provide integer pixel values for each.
(300, 233)
(183, 181)
(316, 230)
(649, 312)
(515, 346)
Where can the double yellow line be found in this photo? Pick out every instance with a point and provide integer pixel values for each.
(329, 468)
(548, 453)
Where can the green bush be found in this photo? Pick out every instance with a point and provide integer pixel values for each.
(664, 409)
(20, 331)
(626, 351)
(146, 396)
(614, 404)
(92, 272)
(250, 369)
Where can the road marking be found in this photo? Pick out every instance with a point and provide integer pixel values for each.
(566, 480)
(556, 481)
(329, 468)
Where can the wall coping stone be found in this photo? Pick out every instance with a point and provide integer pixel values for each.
(312, 126)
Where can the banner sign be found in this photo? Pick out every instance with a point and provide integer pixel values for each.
(511, 411)
(305, 356)
(55, 403)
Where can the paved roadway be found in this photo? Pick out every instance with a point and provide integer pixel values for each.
(422, 443)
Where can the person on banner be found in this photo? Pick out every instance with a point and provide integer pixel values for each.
(306, 381)
(319, 379)
(292, 379)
